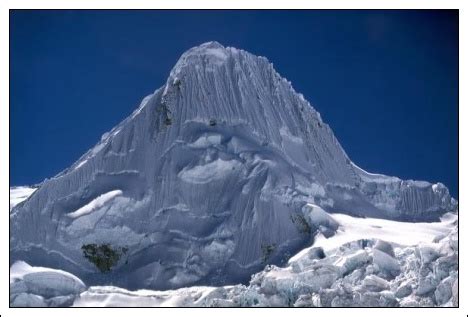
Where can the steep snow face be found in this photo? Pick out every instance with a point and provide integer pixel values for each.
(371, 262)
(208, 180)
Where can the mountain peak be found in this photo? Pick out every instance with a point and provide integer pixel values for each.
(207, 54)
(210, 44)
(207, 182)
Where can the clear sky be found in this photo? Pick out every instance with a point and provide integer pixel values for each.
(385, 81)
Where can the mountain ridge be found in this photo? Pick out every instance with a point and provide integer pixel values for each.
(213, 171)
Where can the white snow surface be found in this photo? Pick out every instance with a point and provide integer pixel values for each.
(206, 173)
(111, 296)
(84, 161)
(397, 232)
(231, 141)
(95, 204)
(19, 194)
(349, 274)
(41, 287)
(19, 270)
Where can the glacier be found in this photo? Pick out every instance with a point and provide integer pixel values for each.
(221, 171)
(389, 267)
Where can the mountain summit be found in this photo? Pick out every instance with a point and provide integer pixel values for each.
(220, 171)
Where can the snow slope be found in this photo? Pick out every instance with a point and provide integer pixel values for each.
(387, 267)
(19, 194)
(370, 262)
(399, 233)
(209, 179)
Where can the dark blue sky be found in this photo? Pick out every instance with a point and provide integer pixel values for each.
(385, 81)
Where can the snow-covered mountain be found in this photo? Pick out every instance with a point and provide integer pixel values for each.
(209, 180)
(369, 262)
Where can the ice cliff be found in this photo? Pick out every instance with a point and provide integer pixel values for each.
(369, 262)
